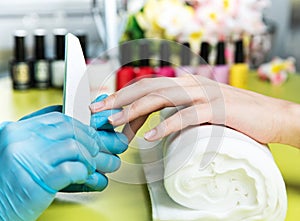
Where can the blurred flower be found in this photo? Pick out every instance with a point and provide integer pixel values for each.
(175, 18)
(193, 20)
(277, 70)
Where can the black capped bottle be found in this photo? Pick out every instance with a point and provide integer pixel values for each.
(41, 66)
(204, 68)
(221, 69)
(58, 64)
(19, 66)
(185, 60)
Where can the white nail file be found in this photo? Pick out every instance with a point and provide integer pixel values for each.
(76, 87)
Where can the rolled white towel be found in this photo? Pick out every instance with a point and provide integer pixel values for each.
(216, 173)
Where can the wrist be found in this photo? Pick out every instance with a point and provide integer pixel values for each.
(289, 125)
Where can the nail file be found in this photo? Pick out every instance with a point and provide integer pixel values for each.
(77, 96)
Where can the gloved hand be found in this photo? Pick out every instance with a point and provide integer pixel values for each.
(44, 154)
(111, 143)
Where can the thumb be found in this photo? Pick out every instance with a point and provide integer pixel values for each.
(65, 174)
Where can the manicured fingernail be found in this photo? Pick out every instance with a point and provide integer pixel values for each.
(115, 117)
(97, 106)
(150, 134)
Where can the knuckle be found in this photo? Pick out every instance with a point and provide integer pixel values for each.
(160, 95)
(111, 99)
(167, 126)
(72, 144)
(65, 168)
(58, 117)
(133, 110)
(144, 82)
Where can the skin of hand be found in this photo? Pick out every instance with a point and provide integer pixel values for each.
(46, 152)
(265, 119)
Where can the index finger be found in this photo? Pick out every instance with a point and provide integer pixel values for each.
(139, 89)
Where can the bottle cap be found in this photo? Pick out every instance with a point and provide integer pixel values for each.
(60, 43)
(144, 52)
(20, 48)
(39, 44)
(204, 53)
(165, 54)
(220, 53)
(185, 54)
(239, 56)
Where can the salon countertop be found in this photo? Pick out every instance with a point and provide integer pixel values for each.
(122, 201)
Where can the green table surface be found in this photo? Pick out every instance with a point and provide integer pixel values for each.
(121, 201)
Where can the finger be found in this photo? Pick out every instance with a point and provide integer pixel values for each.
(145, 86)
(55, 108)
(68, 150)
(137, 90)
(94, 182)
(194, 115)
(107, 163)
(99, 120)
(132, 127)
(112, 142)
(168, 97)
(65, 174)
(97, 182)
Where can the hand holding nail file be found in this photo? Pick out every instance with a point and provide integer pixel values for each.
(46, 151)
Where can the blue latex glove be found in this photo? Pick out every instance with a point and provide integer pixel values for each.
(44, 154)
(110, 142)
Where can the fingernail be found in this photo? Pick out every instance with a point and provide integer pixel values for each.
(150, 134)
(115, 117)
(97, 106)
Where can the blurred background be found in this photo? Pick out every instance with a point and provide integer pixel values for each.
(103, 21)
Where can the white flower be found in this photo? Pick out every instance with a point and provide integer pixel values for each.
(174, 18)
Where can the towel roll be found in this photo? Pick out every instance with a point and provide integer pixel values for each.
(220, 174)
(209, 173)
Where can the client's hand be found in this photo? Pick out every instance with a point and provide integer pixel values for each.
(201, 100)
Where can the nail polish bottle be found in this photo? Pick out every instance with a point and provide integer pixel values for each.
(185, 61)
(240, 69)
(40, 65)
(221, 69)
(126, 74)
(19, 66)
(165, 69)
(204, 69)
(144, 69)
(58, 64)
